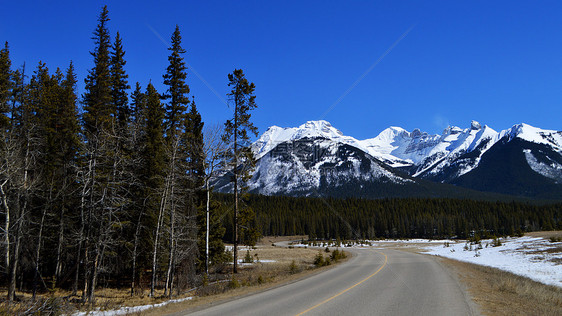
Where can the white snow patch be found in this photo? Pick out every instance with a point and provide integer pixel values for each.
(552, 170)
(516, 255)
(130, 310)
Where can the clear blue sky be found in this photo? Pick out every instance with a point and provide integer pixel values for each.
(499, 63)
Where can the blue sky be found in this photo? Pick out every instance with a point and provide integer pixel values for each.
(497, 62)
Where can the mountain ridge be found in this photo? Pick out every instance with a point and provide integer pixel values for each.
(317, 157)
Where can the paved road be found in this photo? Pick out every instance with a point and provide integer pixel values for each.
(385, 282)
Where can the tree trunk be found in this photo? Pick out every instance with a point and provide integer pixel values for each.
(171, 246)
(58, 267)
(80, 236)
(156, 236)
(135, 247)
(14, 263)
(7, 223)
(207, 232)
(38, 253)
(235, 228)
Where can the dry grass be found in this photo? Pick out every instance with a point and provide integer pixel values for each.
(254, 278)
(545, 234)
(502, 293)
(62, 302)
(268, 240)
(272, 274)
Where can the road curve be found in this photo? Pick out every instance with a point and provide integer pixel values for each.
(373, 282)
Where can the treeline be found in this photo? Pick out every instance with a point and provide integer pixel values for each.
(328, 218)
(104, 188)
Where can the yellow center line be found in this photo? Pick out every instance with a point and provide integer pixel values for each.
(349, 288)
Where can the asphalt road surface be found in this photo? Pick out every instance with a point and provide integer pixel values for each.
(374, 282)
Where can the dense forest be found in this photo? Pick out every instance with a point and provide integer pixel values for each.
(105, 188)
(352, 218)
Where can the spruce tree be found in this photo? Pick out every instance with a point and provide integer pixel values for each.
(103, 163)
(119, 83)
(154, 163)
(177, 92)
(5, 86)
(98, 107)
(138, 104)
(236, 133)
(195, 147)
(178, 193)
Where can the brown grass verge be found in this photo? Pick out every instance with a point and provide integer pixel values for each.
(274, 274)
(545, 234)
(254, 278)
(502, 293)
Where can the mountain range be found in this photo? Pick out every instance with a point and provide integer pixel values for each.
(316, 159)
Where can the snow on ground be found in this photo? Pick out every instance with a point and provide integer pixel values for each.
(531, 257)
(129, 310)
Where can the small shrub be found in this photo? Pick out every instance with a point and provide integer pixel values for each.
(447, 244)
(496, 242)
(233, 284)
(248, 257)
(337, 255)
(293, 268)
(205, 279)
(327, 250)
(260, 280)
(555, 239)
(319, 260)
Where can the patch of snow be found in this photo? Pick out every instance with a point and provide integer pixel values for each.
(552, 170)
(130, 310)
(516, 255)
(534, 135)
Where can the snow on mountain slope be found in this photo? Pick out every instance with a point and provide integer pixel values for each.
(312, 129)
(534, 135)
(453, 145)
(297, 159)
(303, 166)
(429, 152)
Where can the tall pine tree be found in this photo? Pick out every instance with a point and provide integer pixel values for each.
(5, 86)
(119, 84)
(177, 92)
(98, 107)
(236, 133)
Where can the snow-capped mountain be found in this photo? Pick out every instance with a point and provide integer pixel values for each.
(426, 156)
(524, 160)
(312, 159)
(276, 135)
(318, 157)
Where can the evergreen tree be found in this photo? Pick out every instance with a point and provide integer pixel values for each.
(5, 86)
(98, 107)
(153, 140)
(119, 83)
(195, 148)
(138, 104)
(178, 90)
(104, 164)
(236, 133)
